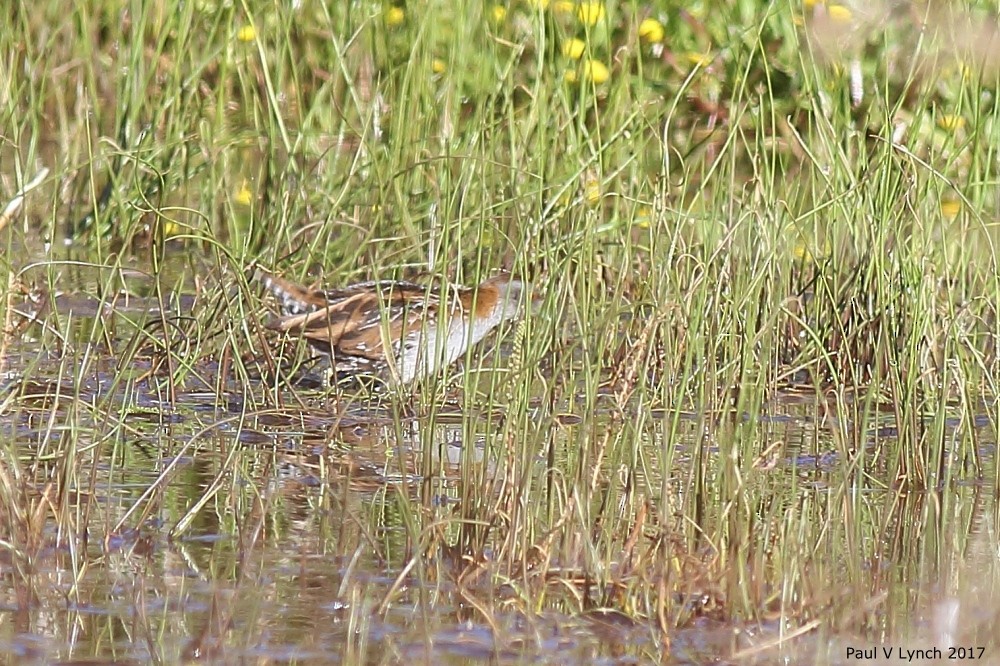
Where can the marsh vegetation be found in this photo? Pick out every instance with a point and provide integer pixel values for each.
(753, 416)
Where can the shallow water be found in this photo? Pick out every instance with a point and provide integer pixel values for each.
(204, 519)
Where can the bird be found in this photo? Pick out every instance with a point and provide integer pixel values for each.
(394, 331)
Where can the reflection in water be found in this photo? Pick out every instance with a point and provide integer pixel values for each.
(216, 525)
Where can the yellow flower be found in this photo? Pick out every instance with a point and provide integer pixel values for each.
(643, 217)
(243, 196)
(808, 252)
(951, 122)
(246, 34)
(592, 191)
(965, 70)
(499, 13)
(651, 31)
(590, 13)
(574, 48)
(840, 13)
(950, 207)
(596, 71)
(438, 66)
(809, 4)
(171, 228)
(593, 70)
(700, 59)
(563, 7)
(394, 16)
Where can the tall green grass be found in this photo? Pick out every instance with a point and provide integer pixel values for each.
(722, 233)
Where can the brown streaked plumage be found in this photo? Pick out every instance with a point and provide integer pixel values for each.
(393, 330)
